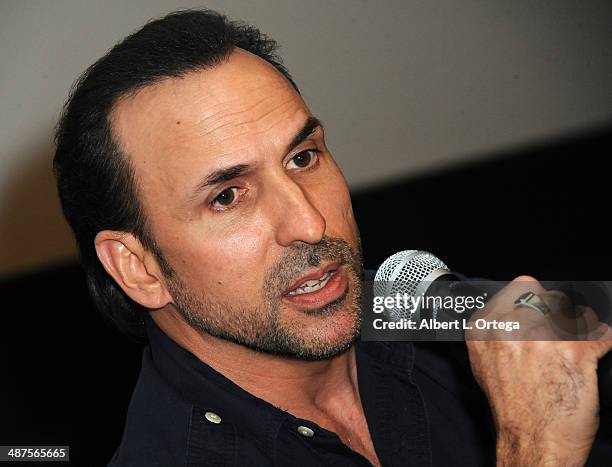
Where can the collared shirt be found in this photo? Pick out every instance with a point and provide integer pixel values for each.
(420, 401)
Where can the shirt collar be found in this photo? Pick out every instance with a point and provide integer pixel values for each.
(189, 374)
(200, 385)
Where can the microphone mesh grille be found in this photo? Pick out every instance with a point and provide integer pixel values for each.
(402, 273)
(386, 269)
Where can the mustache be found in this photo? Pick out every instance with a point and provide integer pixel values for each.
(301, 256)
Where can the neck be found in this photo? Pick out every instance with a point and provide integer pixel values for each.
(300, 387)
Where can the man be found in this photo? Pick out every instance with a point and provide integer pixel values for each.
(208, 210)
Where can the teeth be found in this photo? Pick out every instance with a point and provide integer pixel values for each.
(313, 285)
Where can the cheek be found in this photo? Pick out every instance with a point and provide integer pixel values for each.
(239, 258)
(223, 262)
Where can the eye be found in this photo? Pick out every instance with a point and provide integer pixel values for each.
(303, 159)
(225, 198)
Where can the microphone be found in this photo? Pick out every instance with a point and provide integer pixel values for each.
(415, 273)
(421, 274)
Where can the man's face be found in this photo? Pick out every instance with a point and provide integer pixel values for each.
(248, 207)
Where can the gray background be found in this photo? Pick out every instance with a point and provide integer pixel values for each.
(403, 87)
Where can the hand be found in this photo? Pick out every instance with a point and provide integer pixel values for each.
(542, 390)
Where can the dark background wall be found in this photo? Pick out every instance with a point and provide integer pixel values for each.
(541, 210)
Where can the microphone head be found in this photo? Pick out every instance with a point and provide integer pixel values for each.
(407, 272)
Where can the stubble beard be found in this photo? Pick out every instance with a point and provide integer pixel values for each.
(261, 327)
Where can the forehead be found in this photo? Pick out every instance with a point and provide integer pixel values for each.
(234, 111)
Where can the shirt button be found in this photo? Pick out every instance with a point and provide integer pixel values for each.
(212, 417)
(305, 431)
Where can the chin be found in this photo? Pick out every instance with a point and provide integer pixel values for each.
(324, 335)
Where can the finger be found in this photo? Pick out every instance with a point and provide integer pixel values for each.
(506, 308)
(558, 303)
(573, 322)
(563, 316)
(603, 342)
(503, 302)
(603, 348)
(588, 324)
(502, 307)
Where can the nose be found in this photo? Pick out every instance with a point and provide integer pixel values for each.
(296, 217)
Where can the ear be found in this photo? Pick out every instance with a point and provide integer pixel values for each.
(133, 267)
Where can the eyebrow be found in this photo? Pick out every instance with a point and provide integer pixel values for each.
(312, 123)
(228, 173)
(223, 175)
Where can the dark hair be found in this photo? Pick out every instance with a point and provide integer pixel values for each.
(96, 183)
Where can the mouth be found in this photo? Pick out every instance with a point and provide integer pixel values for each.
(318, 287)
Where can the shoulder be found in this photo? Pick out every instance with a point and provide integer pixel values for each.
(157, 423)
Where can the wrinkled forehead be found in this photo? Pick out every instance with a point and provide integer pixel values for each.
(238, 109)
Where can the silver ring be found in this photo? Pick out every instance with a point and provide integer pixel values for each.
(533, 301)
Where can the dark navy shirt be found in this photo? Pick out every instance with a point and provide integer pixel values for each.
(420, 400)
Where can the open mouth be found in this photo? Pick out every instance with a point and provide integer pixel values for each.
(313, 285)
(318, 288)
